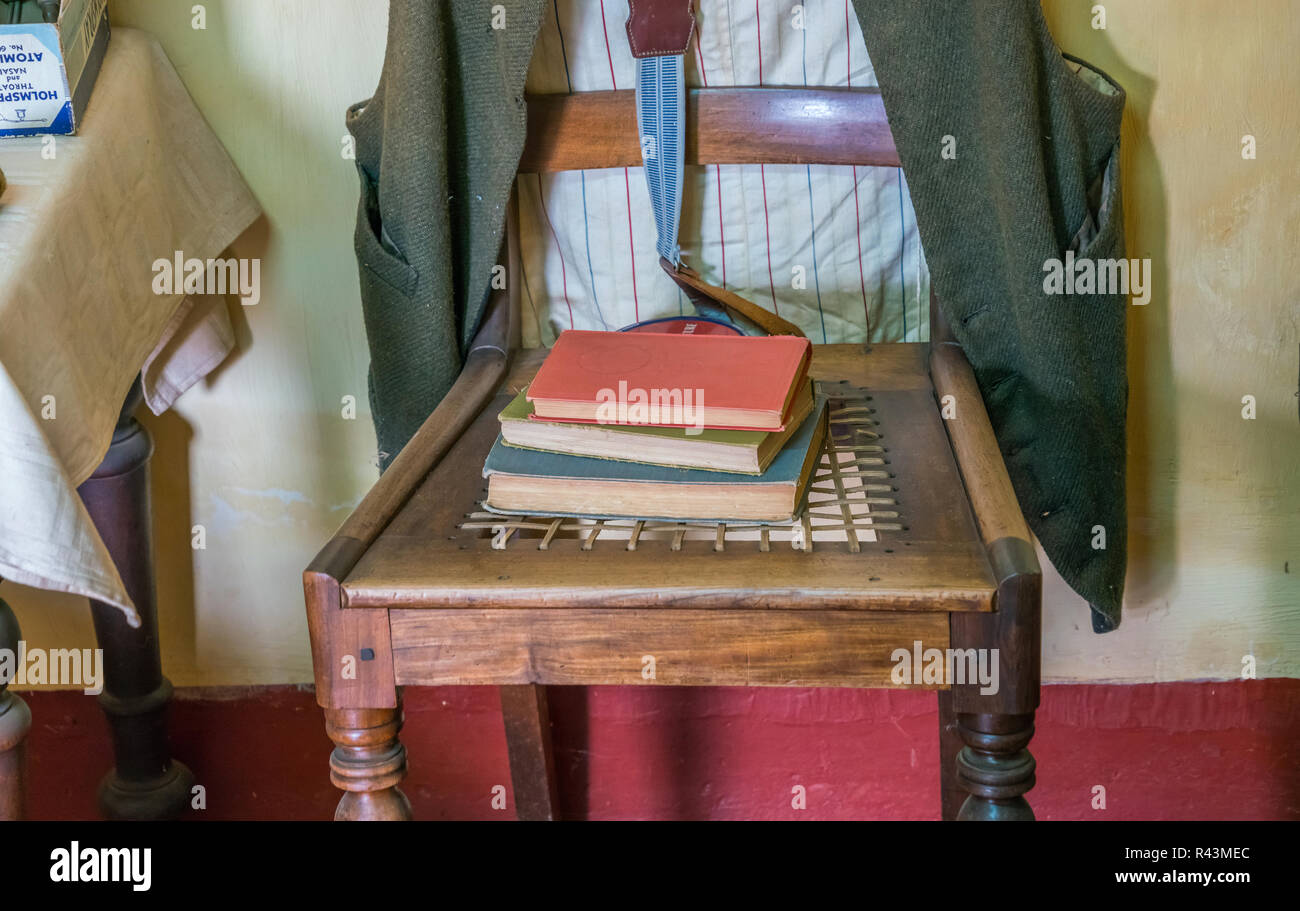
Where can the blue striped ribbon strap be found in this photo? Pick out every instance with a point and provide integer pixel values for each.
(661, 122)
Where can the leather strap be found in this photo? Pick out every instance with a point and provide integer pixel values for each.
(661, 125)
(701, 293)
(660, 28)
(659, 32)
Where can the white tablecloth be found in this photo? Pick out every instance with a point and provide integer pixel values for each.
(79, 318)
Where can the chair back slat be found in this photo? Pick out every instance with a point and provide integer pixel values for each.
(589, 130)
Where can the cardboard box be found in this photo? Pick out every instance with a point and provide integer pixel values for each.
(47, 70)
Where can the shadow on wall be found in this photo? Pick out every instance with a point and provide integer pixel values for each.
(274, 135)
(175, 520)
(1152, 431)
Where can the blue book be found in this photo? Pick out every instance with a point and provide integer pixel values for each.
(538, 483)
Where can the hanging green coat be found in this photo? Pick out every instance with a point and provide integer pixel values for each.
(1035, 174)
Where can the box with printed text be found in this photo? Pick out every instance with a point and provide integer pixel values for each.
(48, 68)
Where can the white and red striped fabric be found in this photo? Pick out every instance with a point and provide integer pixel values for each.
(835, 250)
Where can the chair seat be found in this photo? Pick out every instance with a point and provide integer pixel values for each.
(929, 558)
(552, 606)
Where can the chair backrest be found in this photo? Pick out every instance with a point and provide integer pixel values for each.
(766, 125)
(832, 126)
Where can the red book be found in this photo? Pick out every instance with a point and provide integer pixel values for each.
(720, 381)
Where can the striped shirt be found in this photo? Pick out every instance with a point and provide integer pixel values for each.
(833, 249)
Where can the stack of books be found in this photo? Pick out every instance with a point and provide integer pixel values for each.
(661, 426)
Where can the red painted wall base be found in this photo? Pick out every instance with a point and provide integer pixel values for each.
(1161, 751)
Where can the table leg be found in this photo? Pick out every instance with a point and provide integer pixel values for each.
(146, 782)
(15, 722)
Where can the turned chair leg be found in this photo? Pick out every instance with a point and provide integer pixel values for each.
(952, 794)
(145, 783)
(15, 722)
(368, 763)
(995, 766)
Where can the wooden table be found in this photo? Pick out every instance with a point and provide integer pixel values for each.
(81, 323)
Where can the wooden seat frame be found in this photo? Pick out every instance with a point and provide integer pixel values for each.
(374, 630)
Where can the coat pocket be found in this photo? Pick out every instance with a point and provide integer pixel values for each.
(389, 286)
(1102, 231)
(1104, 278)
(382, 265)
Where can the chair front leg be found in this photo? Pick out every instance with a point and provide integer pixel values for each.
(368, 763)
(995, 767)
(952, 793)
(352, 659)
(994, 764)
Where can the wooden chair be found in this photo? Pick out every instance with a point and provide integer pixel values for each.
(409, 592)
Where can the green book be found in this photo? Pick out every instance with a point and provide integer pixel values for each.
(735, 451)
(558, 484)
